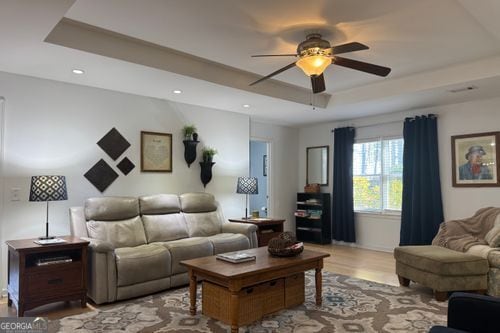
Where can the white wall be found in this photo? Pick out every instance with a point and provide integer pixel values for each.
(382, 232)
(53, 127)
(282, 169)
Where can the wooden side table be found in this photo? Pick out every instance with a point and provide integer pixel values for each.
(32, 283)
(267, 228)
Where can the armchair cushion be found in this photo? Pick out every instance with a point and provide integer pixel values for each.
(124, 233)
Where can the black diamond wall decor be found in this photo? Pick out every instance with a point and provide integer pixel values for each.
(101, 175)
(113, 144)
(125, 166)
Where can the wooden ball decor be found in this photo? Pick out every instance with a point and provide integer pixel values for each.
(285, 245)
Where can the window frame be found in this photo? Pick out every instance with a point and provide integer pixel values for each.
(382, 211)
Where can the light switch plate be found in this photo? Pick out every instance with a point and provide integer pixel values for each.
(14, 194)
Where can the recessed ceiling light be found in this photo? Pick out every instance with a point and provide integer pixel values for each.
(246, 105)
(78, 71)
(177, 91)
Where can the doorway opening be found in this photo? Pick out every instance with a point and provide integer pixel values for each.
(260, 168)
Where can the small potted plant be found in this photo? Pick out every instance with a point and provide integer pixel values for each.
(208, 153)
(189, 130)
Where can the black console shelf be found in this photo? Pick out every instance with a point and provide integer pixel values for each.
(316, 228)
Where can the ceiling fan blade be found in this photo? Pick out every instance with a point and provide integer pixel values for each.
(273, 73)
(361, 66)
(274, 55)
(349, 47)
(318, 83)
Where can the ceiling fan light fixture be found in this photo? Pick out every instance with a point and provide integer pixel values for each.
(313, 65)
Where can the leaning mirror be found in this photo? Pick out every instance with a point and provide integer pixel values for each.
(317, 165)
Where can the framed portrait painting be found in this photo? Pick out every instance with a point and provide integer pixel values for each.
(475, 159)
(156, 152)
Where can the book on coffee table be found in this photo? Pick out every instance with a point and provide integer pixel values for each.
(235, 257)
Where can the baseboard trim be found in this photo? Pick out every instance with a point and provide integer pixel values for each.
(362, 246)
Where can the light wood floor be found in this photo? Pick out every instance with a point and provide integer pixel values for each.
(363, 264)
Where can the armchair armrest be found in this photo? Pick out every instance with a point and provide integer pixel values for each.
(473, 313)
(98, 245)
(247, 229)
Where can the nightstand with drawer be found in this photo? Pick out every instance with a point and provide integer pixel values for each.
(42, 274)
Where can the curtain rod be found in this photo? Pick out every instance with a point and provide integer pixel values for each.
(377, 124)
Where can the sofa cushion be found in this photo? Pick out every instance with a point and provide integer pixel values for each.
(187, 248)
(440, 260)
(123, 233)
(197, 202)
(229, 242)
(141, 263)
(203, 224)
(111, 208)
(165, 227)
(159, 204)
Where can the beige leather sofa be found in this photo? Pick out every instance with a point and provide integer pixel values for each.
(136, 244)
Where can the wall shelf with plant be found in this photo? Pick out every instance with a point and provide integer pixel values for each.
(206, 164)
(190, 141)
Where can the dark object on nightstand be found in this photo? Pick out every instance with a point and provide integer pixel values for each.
(471, 313)
(267, 228)
(42, 274)
(313, 218)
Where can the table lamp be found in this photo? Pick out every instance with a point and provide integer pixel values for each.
(247, 185)
(48, 188)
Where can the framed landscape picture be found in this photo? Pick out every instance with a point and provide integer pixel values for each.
(156, 152)
(475, 159)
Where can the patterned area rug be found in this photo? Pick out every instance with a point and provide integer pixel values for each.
(349, 305)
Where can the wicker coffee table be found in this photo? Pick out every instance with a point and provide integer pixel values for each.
(238, 294)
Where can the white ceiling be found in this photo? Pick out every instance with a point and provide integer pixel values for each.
(432, 46)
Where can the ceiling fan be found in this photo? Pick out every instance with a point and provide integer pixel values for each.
(316, 54)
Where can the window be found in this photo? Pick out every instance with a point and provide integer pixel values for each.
(378, 175)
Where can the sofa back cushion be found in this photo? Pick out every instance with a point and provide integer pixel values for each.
(203, 224)
(197, 202)
(120, 233)
(111, 208)
(159, 204)
(164, 227)
(203, 218)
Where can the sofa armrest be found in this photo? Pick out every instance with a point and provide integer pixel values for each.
(101, 272)
(473, 313)
(98, 245)
(247, 229)
(494, 257)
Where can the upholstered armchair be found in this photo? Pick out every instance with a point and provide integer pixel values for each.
(471, 313)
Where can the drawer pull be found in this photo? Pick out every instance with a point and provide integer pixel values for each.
(249, 290)
(55, 281)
